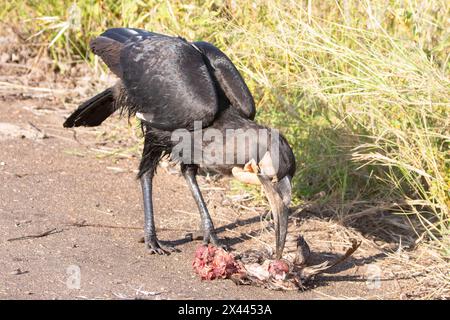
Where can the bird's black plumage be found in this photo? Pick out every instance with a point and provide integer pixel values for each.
(172, 81)
(94, 111)
(173, 84)
(232, 87)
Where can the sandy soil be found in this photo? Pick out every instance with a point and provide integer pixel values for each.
(51, 178)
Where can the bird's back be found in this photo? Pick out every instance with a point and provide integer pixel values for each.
(165, 77)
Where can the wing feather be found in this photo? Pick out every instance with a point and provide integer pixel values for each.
(165, 77)
(109, 50)
(168, 78)
(229, 79)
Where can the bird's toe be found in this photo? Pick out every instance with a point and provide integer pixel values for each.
(213, 239)
(172, 249)
(155, 247)
(159, 251)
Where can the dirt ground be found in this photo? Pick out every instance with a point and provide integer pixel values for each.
(51, 178)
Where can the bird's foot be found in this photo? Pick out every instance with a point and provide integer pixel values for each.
(211, 237)
(155, 247)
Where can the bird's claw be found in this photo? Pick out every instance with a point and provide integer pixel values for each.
(212, 238)
(155, 247)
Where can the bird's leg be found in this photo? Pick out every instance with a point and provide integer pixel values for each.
(209, 234)
(151, 241)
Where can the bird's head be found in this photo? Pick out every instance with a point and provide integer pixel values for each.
(274, 173)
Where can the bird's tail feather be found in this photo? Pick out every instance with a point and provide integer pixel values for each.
(94, 111)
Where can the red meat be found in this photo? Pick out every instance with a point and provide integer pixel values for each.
(214, 263)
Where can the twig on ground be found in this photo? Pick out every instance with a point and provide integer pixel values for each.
(97, 225)
(43, 135)
(40, 235)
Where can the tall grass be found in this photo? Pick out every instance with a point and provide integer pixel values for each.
(361, 89)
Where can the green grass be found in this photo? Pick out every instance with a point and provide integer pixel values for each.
(361, 89)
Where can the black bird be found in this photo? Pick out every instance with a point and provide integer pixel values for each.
(183, 92)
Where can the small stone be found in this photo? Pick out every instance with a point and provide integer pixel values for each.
(4, 57)
(14, 58)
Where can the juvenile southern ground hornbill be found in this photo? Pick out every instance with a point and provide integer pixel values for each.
(195, 107)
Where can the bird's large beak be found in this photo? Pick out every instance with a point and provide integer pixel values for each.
(279, 196)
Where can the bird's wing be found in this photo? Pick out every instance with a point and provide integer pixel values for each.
(110, 43)
(165, 77)
(109, 50)
(229, 79)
